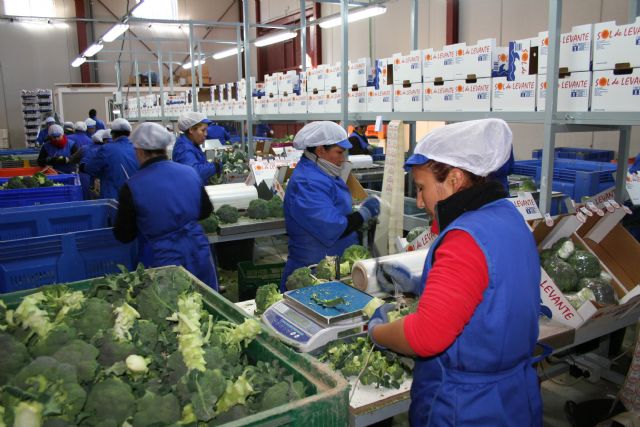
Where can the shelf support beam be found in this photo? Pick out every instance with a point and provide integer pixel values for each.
(303, 35)
(344, 14)
(624, 145)
(247, 80)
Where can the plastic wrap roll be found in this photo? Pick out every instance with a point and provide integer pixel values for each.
(361, 161)
(363, 272)
(236, 195)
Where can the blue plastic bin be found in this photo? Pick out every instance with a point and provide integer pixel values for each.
(589, 154)
(71, 191)
(42, 220)
(378, 157)
(19, 152)
(575, 178)
(66, 179)
(29, 263)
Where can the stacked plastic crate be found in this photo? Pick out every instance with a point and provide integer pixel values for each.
(36, 104)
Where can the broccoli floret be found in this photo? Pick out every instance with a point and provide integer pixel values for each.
(110, 399)
(276, 209)
(258, 209)
(602, 291)
(96, 315)
(562, 274)
(13, 356)
(81, 355)
(275, 395)
(48, 367)
(301, 278)
(326, 268)
(266, 296)
(29, 182)
(14, 183)
(152, 410)
(40, 178)
(355, 253)
(210, 224)
(547, 255)
(112, 350)
(528, 185)
(585, 264)
(414, 233)
(145, 335)
(227, 214)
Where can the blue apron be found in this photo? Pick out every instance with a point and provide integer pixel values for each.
(316, 206)
(363, 142)
(167, 198)
(81, 140)
(185, 152)
(113, 164)
(486, 377)
(53, 151)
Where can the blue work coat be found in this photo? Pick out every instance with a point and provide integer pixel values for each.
(167, 198)
(53, 151)
(364, 144)
(635, 167)
(80, 139)
(113, 164)
(486, 377)
(316, 206)
(218, 132)
(42, 135)
(263, 130)
(99, 123)
(83, 141)
(187, 153)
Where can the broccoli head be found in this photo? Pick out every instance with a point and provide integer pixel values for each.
(414, 233)
(562, 274)
(29, 182)
(154, 410)
(96, 315)
(110, 399)
(355, 253)
(227, 214)
(276, 210)
(13, 356)
(258, 209)
(585, 263)
(112, 350)
(210, 224)
(14, 183)
(81, 355)
(266, 296)
(301, 278)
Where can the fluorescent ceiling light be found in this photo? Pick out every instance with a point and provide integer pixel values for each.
(92, 50)
(227, 53)
(115, 32)
(78, 61)
(275, 38)
(358, 15)
(197, 62)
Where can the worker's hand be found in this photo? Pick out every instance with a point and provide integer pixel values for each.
(369, 208)
(391, 274)
(380, 317)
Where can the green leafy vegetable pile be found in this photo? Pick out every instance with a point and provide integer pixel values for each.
(36, 181)
(136, 349)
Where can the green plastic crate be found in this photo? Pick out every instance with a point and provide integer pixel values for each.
(252, 276)
(328, 404)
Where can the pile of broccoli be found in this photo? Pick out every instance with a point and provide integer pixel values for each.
(266, 296)
(135, 349)
(210, 225)
(262, 209)
(355, 253)
(301, 278)
(35, 181)
(228, 214)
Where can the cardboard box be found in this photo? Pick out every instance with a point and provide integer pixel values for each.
(358, 100)
(517, 95)
(428, 65)
(408, 99)
(273, 104)
(271, 83)
(315, 78)
(611, 92)
(4, 143)
(293, 104)
(241, 87)
(221, 92)
(520, 59)
(615, 45)
(477, 60)
(380, 100)
(500, 62)
(443, 64)
(359, 72)
(288, 82)
(239, 107)
(407, 68)
(383, 72)
(333, 101)
(260, 105)
(333, 78)
(316, 102)
(225, 108)
(575, 49)
(458, 95)
(573, 92)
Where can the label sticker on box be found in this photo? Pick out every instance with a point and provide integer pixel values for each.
(633, 187)
(526, 205)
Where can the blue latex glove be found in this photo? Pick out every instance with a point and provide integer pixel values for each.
(390, 274)
(380, 317)
(369, 208)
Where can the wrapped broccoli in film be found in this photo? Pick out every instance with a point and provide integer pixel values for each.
(585, 263)
(603, 292)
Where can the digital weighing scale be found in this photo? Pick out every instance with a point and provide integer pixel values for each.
(306, 325)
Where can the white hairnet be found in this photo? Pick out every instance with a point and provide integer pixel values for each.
(477, 146)
(90, 123)
(151, 136)
(315, 134)
(121, 125)
(98, 135)
(68, 125)
(191, 118)
(55, 130)
(81, 126)
(50, 119)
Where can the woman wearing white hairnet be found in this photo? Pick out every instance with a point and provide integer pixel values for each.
(188, 147)
(317, 205)
(163, 202)
(476, 326)
(57, 150)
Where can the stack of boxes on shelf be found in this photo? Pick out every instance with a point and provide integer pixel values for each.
(36, 105)
(290, 98)
(407, 81)
(315, 88)
(358, 79)
(4, 139)
(379, 93)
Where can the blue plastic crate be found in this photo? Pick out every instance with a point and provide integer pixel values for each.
(29, 263)
(19, 152)
(377, 150)
(589, 154)
(42, 220)
(575, 178)
(65, 179)
(40, 196)
(378, 157)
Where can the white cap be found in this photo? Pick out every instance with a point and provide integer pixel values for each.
(98, 136)
(191, 118)
(81, 126)
(477, 146)
(90, 123)
(315, 134)
(68, 125)
(55, 130)
(50, 119)
(121, 125)
(151, 136)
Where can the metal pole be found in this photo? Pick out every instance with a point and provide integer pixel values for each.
(149, 79)
(199, 66)
(634, 10)
(194, 94)
(414, 46)
(303, 35)
(170, 73)
(239, 62)
(624, 145)
(546, 180)
(344, 12)
(118, 81)
(161, 84)
(247, 80)
(138, 88)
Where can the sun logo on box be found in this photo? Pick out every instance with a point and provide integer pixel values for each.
(546, 41)
(502, 57)
(398, 92)
(602, 82)
(459, 52)
(428, 91)
(500, 86)
(459, 88)
(258, 167)
(525, 56)
(370, 93)
(428, 57)
(605, 34)
(544, 85)
(397, 61)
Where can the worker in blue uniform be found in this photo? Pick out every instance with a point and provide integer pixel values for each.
(502, 174)
(79, 136)
(215, 131)
(317, 205)
(91, 126)
(263, 130)
(82, 141)
(163, 203)
(635, 167)
(482, 372)
(114, 162)
(57, 151)
(67, 127)
(44, 132)
(188, 148)
(359, 140)
(99, 123)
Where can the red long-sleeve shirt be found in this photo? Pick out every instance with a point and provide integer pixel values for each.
(454, 289)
